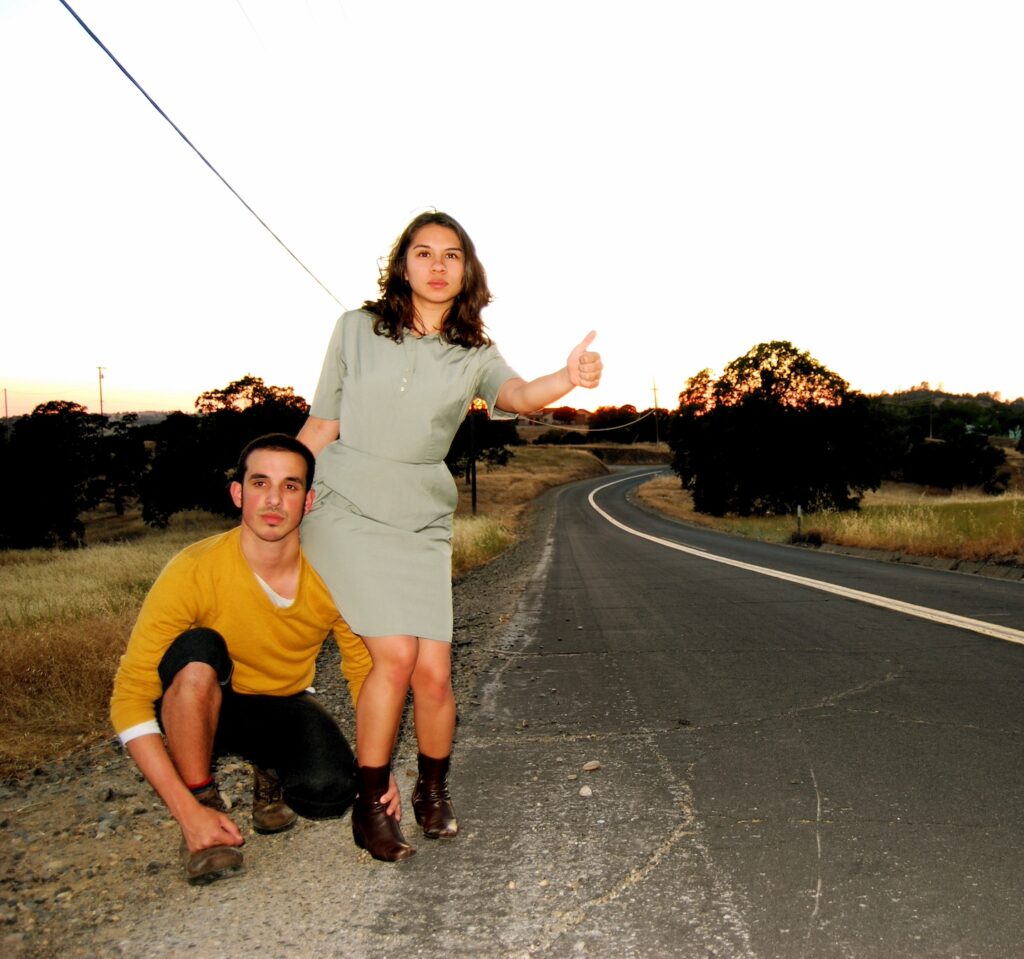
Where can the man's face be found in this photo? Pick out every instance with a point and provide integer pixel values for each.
(273, 496)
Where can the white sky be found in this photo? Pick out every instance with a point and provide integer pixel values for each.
(689, 179)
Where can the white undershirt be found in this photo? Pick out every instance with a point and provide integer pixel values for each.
(276, 598)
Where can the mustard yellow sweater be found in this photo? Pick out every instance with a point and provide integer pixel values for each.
(274, 649)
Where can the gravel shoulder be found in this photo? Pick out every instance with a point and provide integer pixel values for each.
(88, 852)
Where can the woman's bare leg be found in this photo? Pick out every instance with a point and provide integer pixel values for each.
(434, 708)
(433, 698)
(382, 698)
(378, 714)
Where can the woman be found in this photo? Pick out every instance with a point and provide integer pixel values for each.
(397, 381)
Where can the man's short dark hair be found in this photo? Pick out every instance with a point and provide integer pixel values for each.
(276, 441)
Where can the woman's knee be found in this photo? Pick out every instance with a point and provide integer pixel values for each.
(432, 680)
(394, 660)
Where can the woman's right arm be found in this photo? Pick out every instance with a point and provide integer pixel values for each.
(317, 433)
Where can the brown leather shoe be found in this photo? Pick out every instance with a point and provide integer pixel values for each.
(372, 828)
(270, 813)
(210, 864)
(431, 801)
(215, 862)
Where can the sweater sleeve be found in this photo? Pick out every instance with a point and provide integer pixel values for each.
(355, 658)
(168, 610)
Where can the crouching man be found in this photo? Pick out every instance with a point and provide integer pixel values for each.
(220, 660)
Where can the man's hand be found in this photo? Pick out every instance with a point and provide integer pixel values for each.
(204, 827)
(391, 800)
(584, 366)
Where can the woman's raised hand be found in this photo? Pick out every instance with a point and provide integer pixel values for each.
(584, 365)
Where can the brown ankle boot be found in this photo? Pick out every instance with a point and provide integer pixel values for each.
(214, 862)
(431, 801)
(270, 813)
(372, 828)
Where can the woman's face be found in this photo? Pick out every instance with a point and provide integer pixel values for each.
(434, 266)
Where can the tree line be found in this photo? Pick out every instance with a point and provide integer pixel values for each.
(70, 461)
(776, 430)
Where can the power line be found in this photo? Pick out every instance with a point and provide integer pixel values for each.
(588, 429)
(196, 150)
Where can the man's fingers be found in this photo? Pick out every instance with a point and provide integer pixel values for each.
(228, 825)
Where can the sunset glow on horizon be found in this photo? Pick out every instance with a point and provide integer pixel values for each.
(688, 180)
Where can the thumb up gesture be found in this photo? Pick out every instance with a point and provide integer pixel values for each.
(584, 365)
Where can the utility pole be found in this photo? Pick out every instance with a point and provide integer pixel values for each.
(100, 369)
(472, 455)
(656, 437)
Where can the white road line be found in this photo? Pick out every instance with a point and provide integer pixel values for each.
(910, 609)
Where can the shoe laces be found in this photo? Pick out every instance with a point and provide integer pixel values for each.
(267, 787)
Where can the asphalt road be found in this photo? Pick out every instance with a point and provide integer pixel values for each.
(784, 771)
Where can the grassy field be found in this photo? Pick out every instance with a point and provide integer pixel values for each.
(65, 616)
(898, 518)
(64, 621)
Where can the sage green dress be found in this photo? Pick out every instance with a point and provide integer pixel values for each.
(380, 530)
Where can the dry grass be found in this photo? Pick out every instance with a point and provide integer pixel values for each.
(65, 616)
(64, 622)
(899, 518)
(55, 680)
(109, 579)
(504, 492)
(983, 529)
(476, 541)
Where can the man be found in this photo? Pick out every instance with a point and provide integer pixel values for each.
(220, 659)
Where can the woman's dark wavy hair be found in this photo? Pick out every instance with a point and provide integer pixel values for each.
(394, 313)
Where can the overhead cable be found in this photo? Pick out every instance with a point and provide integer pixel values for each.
(588, 429)
(197, 152)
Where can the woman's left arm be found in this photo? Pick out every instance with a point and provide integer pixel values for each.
(316, 433)
(583, 368)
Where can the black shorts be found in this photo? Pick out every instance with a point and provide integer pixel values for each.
(293, 735)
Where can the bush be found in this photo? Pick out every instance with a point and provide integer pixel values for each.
(561, 438)
(761, 458)
(965, 460)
